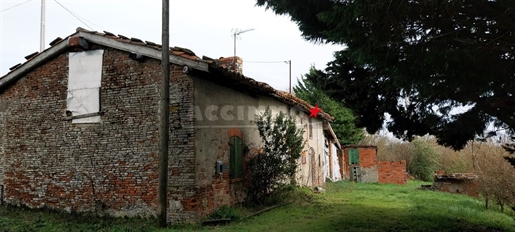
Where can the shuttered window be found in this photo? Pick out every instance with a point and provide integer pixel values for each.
(84, 80)
(236, 157)
(353, 156)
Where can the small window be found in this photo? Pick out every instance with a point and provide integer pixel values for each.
(236, 157)
(84, 80)
(310, 129)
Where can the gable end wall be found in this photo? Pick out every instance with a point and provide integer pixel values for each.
(109, 167)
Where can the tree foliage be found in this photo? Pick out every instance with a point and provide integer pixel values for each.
(421, 155)
(486, 158)
(425, 159)
(277, 164)
(344, 125)
(416, 61)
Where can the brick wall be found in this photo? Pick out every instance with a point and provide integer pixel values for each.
(230, 62)
(370, 169)
(393, 172)
(367, 158)
(111, 166)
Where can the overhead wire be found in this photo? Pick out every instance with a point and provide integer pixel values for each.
(8, 8)
(77, 16)
(266, 62)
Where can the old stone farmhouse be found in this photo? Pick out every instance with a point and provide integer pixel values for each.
(79, 129)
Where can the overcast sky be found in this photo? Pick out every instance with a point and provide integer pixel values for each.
(204, 26)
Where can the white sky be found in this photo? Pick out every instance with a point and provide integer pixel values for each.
(203, 26)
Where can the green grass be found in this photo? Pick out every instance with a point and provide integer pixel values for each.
(377, 207)
(344, 207)
(19, 219)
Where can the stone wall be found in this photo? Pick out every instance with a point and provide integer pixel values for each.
(109, 167)
(463, 183)
(393, 172)
(467, 187)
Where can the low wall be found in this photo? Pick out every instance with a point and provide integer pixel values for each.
(392, 172)
(463, 183)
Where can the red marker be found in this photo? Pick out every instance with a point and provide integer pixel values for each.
(314, 111)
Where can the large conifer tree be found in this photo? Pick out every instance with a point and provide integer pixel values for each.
(417, 61)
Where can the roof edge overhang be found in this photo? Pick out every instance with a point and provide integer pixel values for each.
(236, 80)
(65, 45)
(329, 129)
(359, 146)
(154, 52)
(34, 62)
(143, 50)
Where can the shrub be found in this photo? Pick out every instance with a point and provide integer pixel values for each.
(425, 159)
(277, 164)
(225, 212)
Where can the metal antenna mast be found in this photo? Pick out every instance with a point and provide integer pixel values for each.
(42, 29)
(289, 73)
(235, 34)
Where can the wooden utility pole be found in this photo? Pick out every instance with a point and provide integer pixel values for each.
(164, 112)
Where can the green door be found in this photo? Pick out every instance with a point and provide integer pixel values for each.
(236, 157)
(353, 156)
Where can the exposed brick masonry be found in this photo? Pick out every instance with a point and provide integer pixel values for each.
(367, 158)
(387, 171)
(84, 167)
(393, 172)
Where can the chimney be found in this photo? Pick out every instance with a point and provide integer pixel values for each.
(233, 63)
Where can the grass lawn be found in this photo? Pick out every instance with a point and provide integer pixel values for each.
(344, 207)
(377, 207)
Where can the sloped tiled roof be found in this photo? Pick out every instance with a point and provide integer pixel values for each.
(358, 146)
(456, 176)
(181, 56)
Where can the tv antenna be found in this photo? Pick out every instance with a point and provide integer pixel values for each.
(235, 34)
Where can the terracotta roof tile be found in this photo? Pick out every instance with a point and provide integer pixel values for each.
(56, 41)
(266, 89)
(191, 57)
(83, 30)
(109, 33)
(123, 37)
(15, 67)
(150, 43)
(136, 40)
(185, 50)
(358, 146)
(177, 53)
(31, 55)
